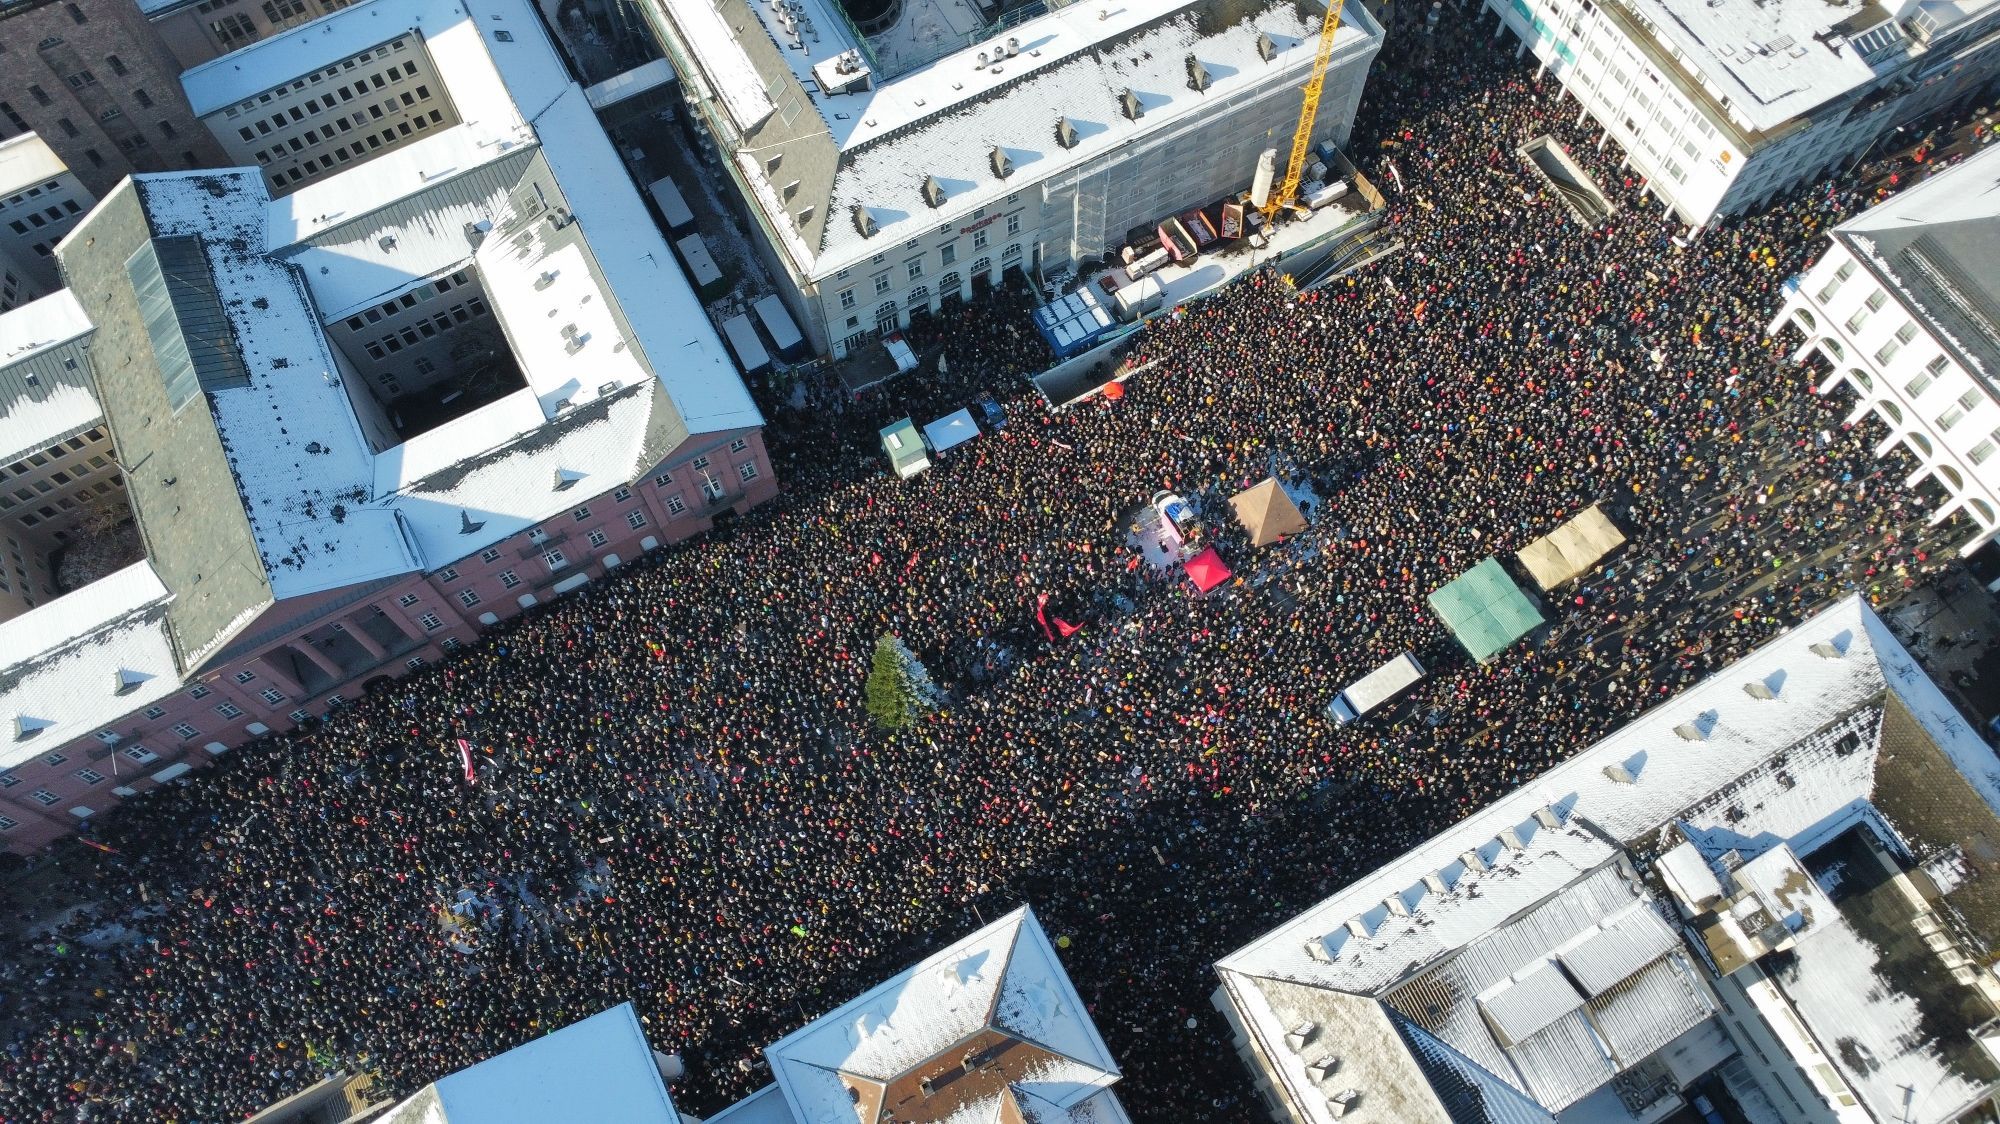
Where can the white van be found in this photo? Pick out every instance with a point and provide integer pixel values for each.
(1375, 688)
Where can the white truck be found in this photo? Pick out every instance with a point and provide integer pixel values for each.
(1375, 688)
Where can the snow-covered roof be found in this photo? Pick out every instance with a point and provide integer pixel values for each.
(26, 161)
(502, 469)
(999, 991)
(1763, 57)
(630, 83)
(32, 415)
(28, 329)
(1934, 244)
(79, 663)
(599, 1069)
(621, 287)
(1777, 736)
(765, 1106)
(925, 125)
(302, 464)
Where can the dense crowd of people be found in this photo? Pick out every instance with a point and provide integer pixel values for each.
(680, 800)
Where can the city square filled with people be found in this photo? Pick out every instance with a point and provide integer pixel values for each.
(679, 798)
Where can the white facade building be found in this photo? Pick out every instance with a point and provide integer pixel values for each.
(1761, 893)
(882, 179)
(40, 200)
(1721, 104)
(1905, 309)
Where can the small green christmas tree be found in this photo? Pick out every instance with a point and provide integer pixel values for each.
(899, 689)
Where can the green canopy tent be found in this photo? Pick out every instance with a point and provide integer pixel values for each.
(1485, 610)
(905, 448)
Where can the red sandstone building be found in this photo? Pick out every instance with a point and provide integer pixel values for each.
(356, 415)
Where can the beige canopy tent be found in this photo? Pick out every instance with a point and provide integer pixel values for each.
(1572, 548)
(1267, 513)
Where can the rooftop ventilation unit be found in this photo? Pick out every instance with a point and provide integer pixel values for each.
(1825, 650)
(547, 278)
(1266, 49)
(1323, 1069)
(1546, 816)
(863, 221)
(1472, 860)
(1511, 840)
(1619, 774)
(387, 242)
(1343, 1102)
(1065, 133)
(1128, 104)
(1689, 732)
(567, 478)
(1299, 1036)
(1197, 75)
(933, 192)
(1759, 689)
(1002, 166)
(129, 680)
(26, 727)
(476, 232)
(1435, 881)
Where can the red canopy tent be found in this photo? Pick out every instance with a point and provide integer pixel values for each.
(1206, 570)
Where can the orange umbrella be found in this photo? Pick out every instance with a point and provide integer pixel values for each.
(1114, 391)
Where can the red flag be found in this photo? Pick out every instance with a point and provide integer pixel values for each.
(912, 563)
(99, 846)
(1066, 628)
(1133, 564)
(1041, 615)
(465, 755)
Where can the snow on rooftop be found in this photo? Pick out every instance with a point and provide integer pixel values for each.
(357, 247)
(951, 134)
(26, 161)
(483, 492)
(1763, 55)
(561, 324)
(302, 463)
(1004, 976)
(765, 1106)
(49, 409)
(599, 1069)
(673, 334)
(1697, 759)
(81, 662)
(41, 323)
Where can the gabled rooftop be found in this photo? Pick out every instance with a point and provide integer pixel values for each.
(1934, 245)
(987, 1029)
(72, 666)
(1527, 917)
(46, 402)
(599, 1069)
(26, 161)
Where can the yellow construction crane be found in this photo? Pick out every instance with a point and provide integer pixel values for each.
(1288, 191)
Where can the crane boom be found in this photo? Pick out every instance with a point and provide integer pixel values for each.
(1302, 136)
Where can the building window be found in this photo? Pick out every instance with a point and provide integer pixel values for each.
(272, 695)
(621, 494)
(948, 253)
(198, 691)
(740, 444)
(1918, 385)
(55, 759)
(979, 239)
(9, 780)
(555, 560)
(509, 579)
(663, 480)
(468, 597)
(229, 710)
(414, 662)
(116, 64)
(597, 538)
(156, 712)
(1981, 451)
(76, 14)
(430, 622)
(881, 283)
(141, 754)
(298, 717)
(847, 298)
(675, 506)
(1840, 277)
(1950, 418)
(44, 797)
(8, 823)
(407, 600)
(449, 644)
(635, 520)
(916, 269)
(278, 11)
(490, 554)
(747, 470)
(447, 575)
(1013, 225)
(245, 676)
(109, 737)
(699, 463)
(90, 776)
(183, 730)
(580, 514)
